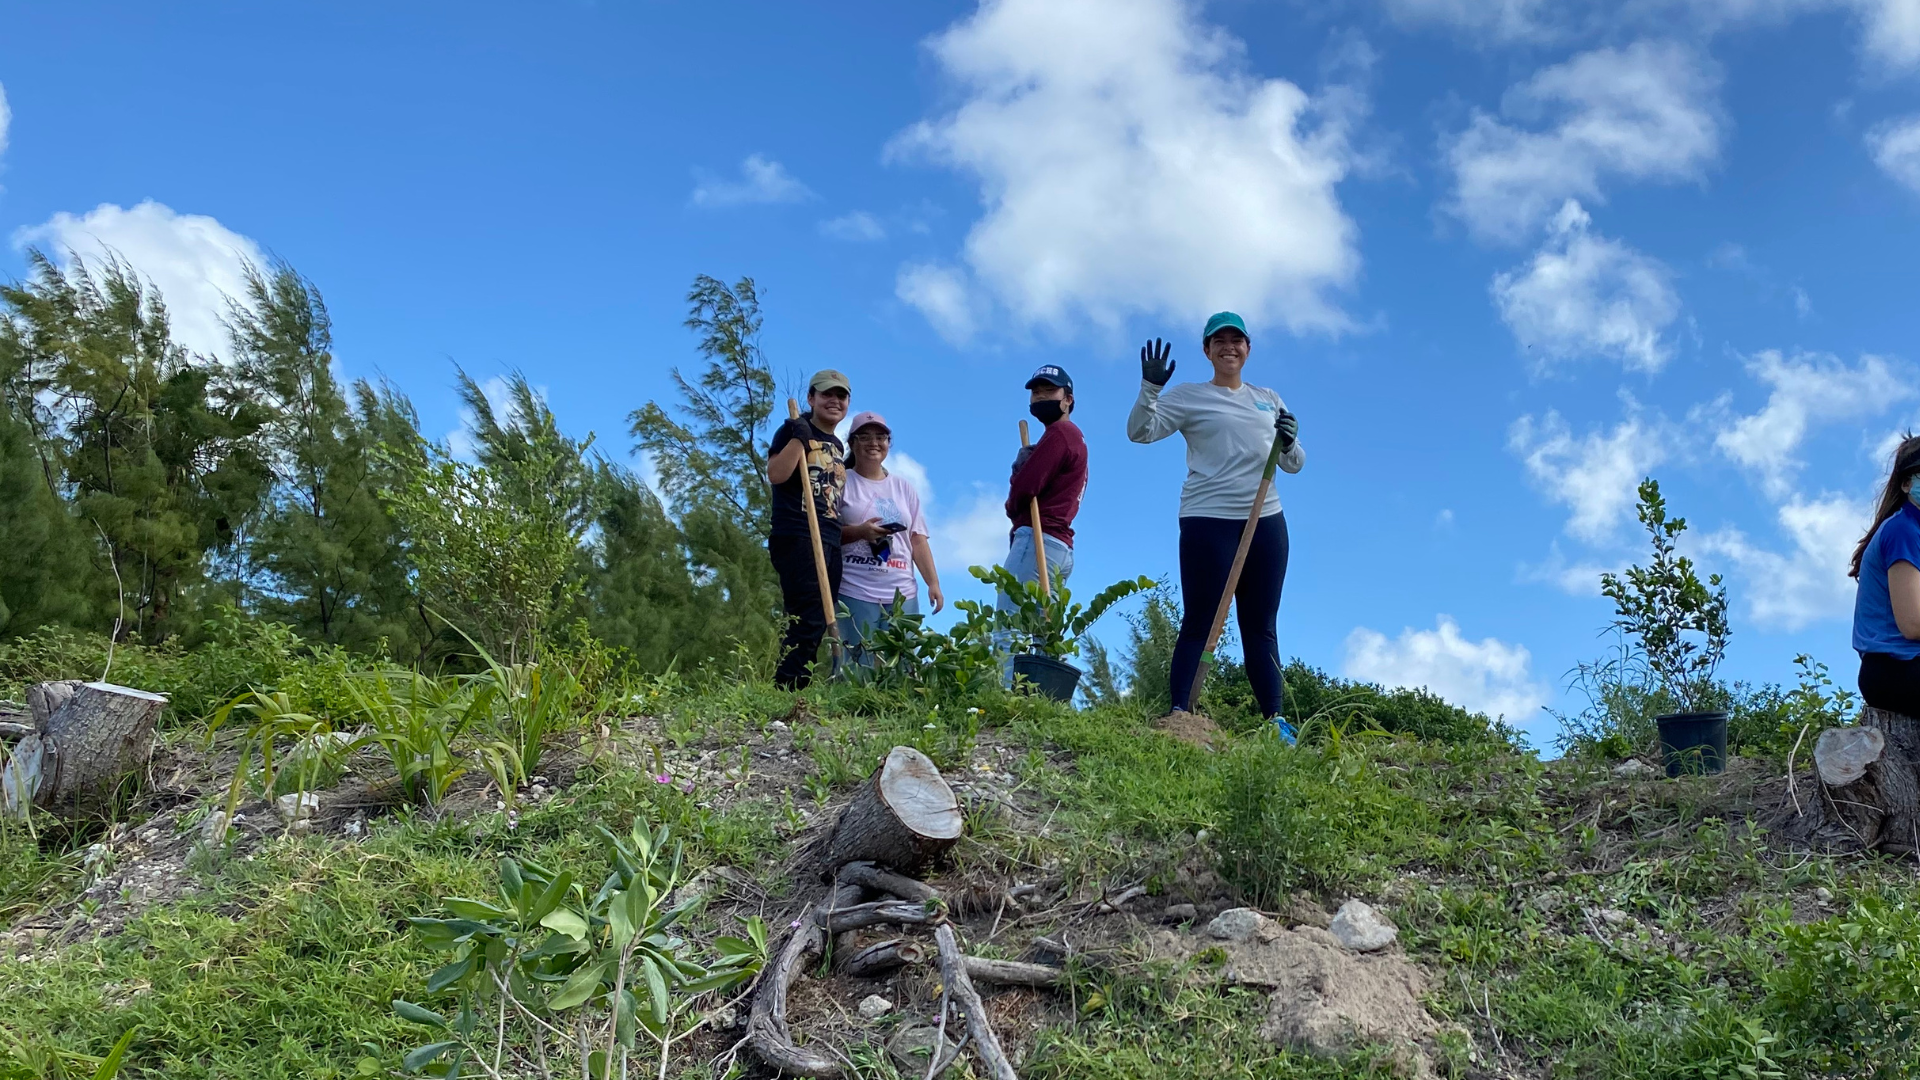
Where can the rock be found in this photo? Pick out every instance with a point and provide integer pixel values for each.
(777, 726)
(1823, 895)
(296, 806)
(1236, 924)
(213, 830)
(873, 1006)
(1179, 913)
(1635, 769)
(1302, 910)
(1614, 916)
(911, 1047)
(150, 836)
(1358, 927)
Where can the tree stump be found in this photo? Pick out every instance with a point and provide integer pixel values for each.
(902, 817)
(89, 737)
(1870, 783)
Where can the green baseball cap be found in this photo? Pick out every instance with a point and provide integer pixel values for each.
(828, 379)
(1221, 321)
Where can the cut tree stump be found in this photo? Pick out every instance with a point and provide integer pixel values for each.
(901, 818)
(88, 738)
(1870, 782)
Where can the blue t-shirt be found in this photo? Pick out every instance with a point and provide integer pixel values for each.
(1874, 630)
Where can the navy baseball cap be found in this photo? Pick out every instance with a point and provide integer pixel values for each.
(1051, 375)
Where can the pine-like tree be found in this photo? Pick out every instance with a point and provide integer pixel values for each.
(324, 554)
(45, 570)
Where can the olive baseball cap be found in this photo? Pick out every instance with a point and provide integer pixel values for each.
(1221, 321)
(828, 379)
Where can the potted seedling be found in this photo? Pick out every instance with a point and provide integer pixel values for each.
(1680, 625)
(1050, 627)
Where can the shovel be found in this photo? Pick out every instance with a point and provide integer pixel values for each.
(1039, 537)
(820, 552)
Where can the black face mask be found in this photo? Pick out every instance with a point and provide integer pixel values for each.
(1047, 411)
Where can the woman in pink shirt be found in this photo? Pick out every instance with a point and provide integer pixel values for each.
(884, 538)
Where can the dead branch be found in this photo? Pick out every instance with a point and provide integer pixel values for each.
(953, 975)
(886, 881)
(1012, 972)
(885, 958)
(767, 1028)
(861, 916)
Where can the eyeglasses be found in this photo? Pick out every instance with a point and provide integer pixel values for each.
(877, 438)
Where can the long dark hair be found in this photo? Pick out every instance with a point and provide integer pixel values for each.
(1906, 462)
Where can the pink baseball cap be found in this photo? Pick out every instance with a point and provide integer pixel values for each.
(868, 419)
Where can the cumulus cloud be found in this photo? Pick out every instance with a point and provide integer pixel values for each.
(6, 119)
(761, 181)
(858, 226)
(1895, 146)
(1892, 30)
(1139, 169)
(1488, 675)
(196, 262)
(1645, 112)
(1807, 390)
(942, 295)
(1807, 581)
(975, 534)
(1595, 476)
(1586, 295)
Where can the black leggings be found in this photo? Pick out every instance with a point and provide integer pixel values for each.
(1888, 682)
(1207, 547)
(800, 594)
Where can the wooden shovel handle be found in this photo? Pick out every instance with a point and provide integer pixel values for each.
(1039, 536)
(813, 533)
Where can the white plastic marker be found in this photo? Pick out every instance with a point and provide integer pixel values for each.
(1039, 537)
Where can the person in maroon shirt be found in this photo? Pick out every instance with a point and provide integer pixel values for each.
(1054, 470)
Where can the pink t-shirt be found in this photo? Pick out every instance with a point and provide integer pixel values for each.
(864, 575)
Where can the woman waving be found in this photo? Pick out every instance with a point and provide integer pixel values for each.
(1230, 428)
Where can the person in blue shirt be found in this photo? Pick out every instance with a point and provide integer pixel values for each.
(1886, 610)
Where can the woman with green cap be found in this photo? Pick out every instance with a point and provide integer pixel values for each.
(1230, 429)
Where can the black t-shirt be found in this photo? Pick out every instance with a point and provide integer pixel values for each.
(826, 468)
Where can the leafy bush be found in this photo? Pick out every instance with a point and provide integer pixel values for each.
(1052, 625)
(954, 666)
(1677, 622)
(1311, 816)
(1846, 990)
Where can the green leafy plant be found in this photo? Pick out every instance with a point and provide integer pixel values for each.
(1677, 622)
(571, 972)
(314, 759)
(417, 719)
(1846, 990)
(1053, 626)
(904, 652)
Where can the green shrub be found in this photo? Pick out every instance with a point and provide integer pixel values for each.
(1315, 816)
(1846, 990)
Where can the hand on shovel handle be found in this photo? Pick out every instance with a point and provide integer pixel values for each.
(813, 533)
(1039, 537)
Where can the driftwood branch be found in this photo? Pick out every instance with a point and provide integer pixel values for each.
(953, 975)
(1012, 972)
(885, 958)
(861, 916)
(767, 1028)
(886, 881)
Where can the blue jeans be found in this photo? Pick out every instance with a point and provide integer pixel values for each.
(865, 616)
(1025, 567)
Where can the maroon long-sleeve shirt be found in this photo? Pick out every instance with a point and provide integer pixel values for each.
(1056, 474)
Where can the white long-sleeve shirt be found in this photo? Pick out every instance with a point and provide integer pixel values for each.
(1229, 433)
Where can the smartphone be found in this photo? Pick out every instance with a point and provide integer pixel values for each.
(891, 527)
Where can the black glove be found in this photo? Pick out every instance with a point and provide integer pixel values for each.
(1154, 365)
(1286, 429)
(1020, 461)
(799, 427)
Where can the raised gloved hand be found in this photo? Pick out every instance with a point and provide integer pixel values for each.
(1154, 365)
(1286, 429)
(1020, 461)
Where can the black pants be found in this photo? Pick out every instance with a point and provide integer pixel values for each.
(1888, 682)
(800, 595)
(1207, 547)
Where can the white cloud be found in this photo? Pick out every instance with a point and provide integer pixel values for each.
(1499, 20)
(942, 295)
(761, 181)
(6, 119)
(1645, 112)
(1597, 476)
(1586, 295)
(1896, 149)
(1138, 169)
(1808, 390)
(1488, 675)
(1807, 582)
(1893, 30)
(858, 227)
(907, 468)
(196, 262)
(974, 536)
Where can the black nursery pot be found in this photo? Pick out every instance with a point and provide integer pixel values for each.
(1055, 679)
(1693, 743)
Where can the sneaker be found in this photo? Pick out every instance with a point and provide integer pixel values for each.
(1285, 731)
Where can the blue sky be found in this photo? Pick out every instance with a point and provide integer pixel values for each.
(1502, 257)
